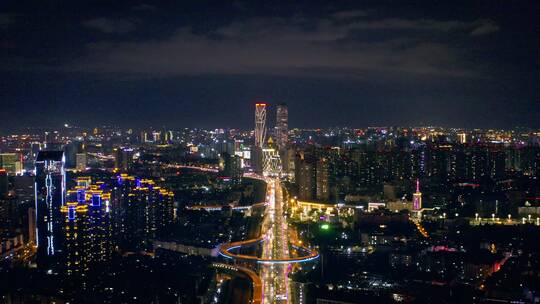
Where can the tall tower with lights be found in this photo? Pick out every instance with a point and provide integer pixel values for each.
(260, 124)
(417, 197)
(260, 135)
(50, 193)
(282, 126)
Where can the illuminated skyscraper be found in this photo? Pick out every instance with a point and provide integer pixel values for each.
(11, 163)
(260, 134)
(417, 197)
(50, 192)
(140, 209)
(282, 126)
(260, 124)
(87, 227)
(81, 161)
(76, 241)
(271, 159)
(123, 158)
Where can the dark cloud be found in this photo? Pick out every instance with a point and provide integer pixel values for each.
(350, 14)
(485, 27)
(110, 26)
(280, 46)
(144, 7)
(189, 63)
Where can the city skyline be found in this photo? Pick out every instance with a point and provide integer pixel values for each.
(334, 65)
(276, 152)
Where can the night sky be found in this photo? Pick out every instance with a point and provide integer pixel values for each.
(204, 64)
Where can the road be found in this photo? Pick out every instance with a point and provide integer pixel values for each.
(276, 247)
(275, 260)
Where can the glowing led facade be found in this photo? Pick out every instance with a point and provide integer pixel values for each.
(417, 197)
(50, 193)
(271, 160)
(260, 124)
(76, 241)
(87, 226)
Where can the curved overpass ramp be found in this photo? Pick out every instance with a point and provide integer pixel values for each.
(225, 250)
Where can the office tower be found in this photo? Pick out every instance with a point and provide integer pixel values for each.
(282, 126)
(123, 158)
(144, 137)
(260, 134)
(417, 197)
(52, 141)
(3, 183)
(156, 136)
(169, 136)
(23, 186)
(50, 192)
(271, 159)
(11, 163)
(462, 137)
(81, 161)
(260, 124)
(70, 151)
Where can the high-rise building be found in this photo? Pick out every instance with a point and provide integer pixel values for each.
(87, 227)
(462, 137)
(3, 183)
(169, 136)
(271, 159)
(323, 179)
(417, 197)
(306, 176)
(11, 163)
(75, 237)
(81, 161)
(260, 124)
(50, 190)
(140, 209)
(123, 158)
(32, 225)
(70, 151)
(156, 136)
(282, 126)
(231, 166)
(260, 135)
